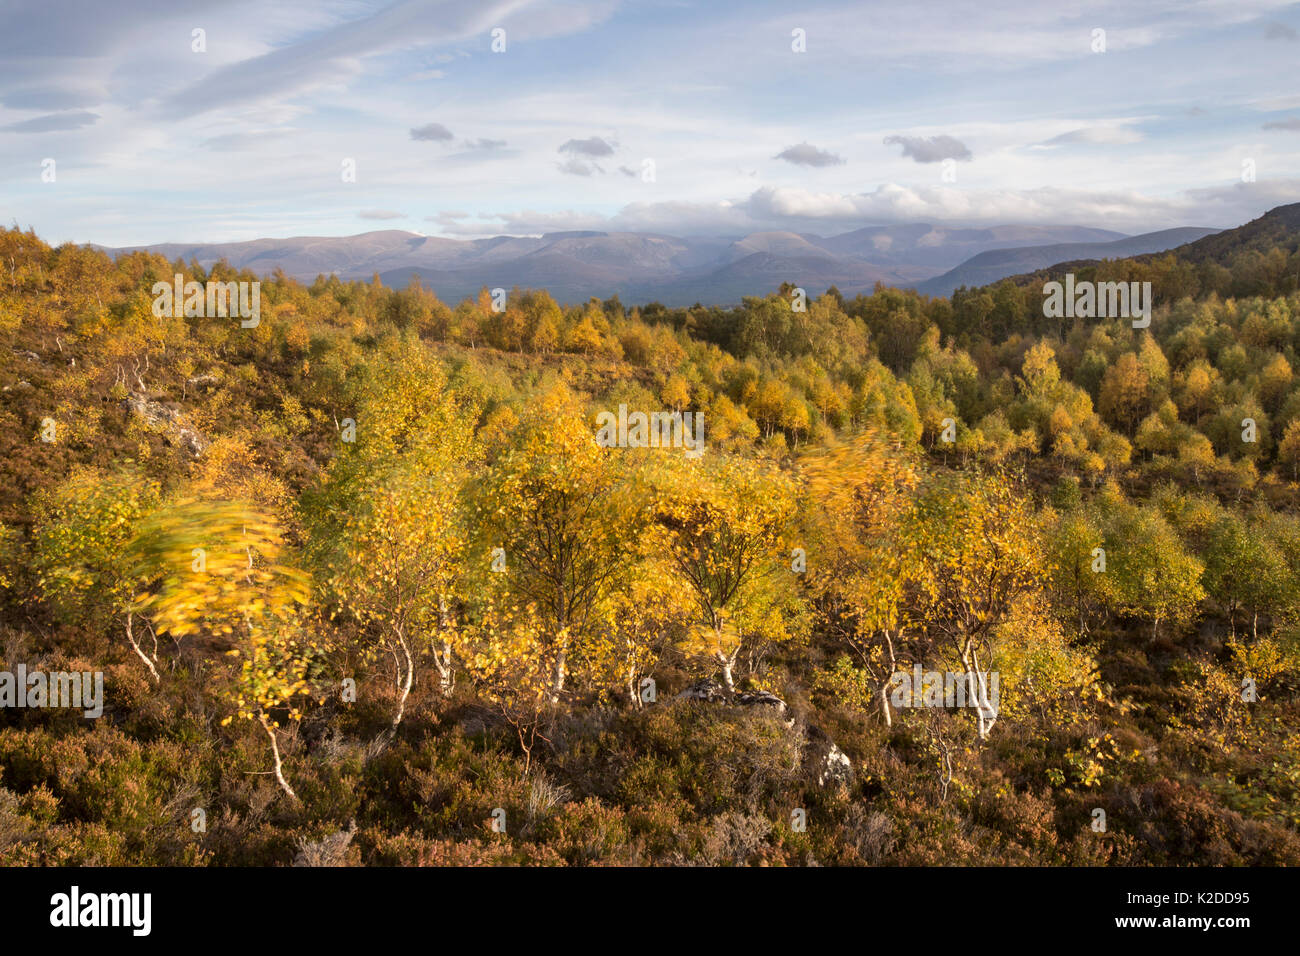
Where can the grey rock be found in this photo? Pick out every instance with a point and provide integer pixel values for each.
(167, 419)
(762, 698)
(706, 690)
(836, 768)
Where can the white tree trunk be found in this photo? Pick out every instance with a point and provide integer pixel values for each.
(442, 656)
(407, 682)
(442, 661)
(130, 636)
(557, 684)
(986, 714)
(884, 702)
(275, 750)
(728, 662)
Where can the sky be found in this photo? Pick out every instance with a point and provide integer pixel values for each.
(706, 119)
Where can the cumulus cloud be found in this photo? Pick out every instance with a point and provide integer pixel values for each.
(579, 150)
(1280, 31)
(435, 132)
(1119, 209)
(1291, 123)
(934, 149)
(485, 143)
(805, 154)
(451, 222)
(576, 167)
(54, 123)
(380, 214)
(829, 213)
(592, 146)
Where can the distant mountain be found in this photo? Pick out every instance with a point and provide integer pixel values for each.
(989, 267)
(942, 247)
(642, 267)
(1279, 228)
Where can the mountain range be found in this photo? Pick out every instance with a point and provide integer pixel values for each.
(677, 271)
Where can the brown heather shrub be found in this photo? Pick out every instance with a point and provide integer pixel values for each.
(591, 833)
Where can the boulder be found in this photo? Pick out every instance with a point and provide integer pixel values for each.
(762, 698)
(167, 419)
(826, 761)
(712, 692)
(836, 768)
(706, 690)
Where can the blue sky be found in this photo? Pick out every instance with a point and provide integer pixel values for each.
(155, 142)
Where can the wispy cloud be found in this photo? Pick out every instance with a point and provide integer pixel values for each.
(1097, 136)
(53, 123)
(434, 132)
(321, 58)
(551, 133)
(242, 142)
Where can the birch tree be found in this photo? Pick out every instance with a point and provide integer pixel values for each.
(220, 568)
(82, 528)
(859, 492)
(388, 529)
(561, 510)
(723, 527)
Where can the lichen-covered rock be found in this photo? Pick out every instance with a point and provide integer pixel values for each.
(836, 768)
(167, 419)
(762, 698)
(712, 692)
(824, 759)
(706, 690)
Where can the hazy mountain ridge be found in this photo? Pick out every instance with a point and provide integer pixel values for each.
(988, 267)
(1277, 229)
(576, 265)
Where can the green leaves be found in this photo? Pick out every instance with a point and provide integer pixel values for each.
(82, 529)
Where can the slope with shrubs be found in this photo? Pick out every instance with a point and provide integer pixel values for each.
(362, 583)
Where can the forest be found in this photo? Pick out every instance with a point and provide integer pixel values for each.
(365, 588)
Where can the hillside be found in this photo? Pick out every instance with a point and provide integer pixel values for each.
(387, 579)
(1257, 258)
(1277, 228)
(988, 267)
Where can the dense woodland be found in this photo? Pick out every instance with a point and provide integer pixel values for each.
(361, 576)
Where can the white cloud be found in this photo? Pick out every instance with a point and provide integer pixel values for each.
(1097, 136)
